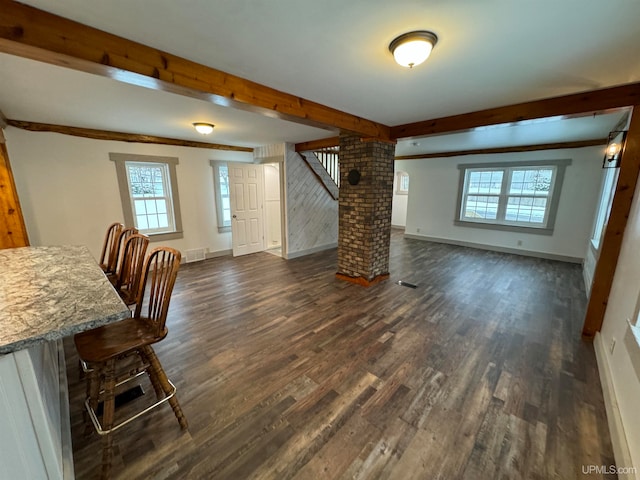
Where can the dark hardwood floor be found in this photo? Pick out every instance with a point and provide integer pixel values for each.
(285, 372)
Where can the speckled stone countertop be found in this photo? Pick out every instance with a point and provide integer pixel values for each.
(47, 293)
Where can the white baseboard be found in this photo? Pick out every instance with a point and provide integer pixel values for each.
(494, 248)
(218, 253)
(309, 251)
(616, 427)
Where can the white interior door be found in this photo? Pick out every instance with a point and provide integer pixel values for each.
(247, 212)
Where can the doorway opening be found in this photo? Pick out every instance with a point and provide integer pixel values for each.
(256, 208)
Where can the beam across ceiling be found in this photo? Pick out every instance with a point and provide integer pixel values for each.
(521, 148)
(317, 144)
(120, 136)
(32, 33)
(611, 243)
(578, 103)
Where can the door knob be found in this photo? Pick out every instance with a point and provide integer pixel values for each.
(234, 216)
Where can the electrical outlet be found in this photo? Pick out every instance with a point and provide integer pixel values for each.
(418, 230)
(612, 346)
(519, 243)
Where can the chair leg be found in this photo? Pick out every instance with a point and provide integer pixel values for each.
(161, 377)
(160, 393)
(108, 416)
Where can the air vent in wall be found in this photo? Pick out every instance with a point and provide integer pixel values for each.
(195, 255)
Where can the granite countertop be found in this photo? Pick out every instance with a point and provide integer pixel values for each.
(47, 293)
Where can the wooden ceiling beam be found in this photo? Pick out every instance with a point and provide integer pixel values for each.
(120, 136)
(28, 32)
(578, 103)
(611, 242)
(521, 148)
(317, 144)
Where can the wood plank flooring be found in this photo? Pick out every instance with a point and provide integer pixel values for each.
(285, 372)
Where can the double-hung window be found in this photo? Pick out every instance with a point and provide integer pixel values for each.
(221, 188)
(510, 196)
(151, 197)
(149, 194)
(402, 183)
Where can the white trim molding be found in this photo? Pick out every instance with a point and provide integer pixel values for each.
(616, 427)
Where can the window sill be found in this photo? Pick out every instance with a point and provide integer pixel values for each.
(504, 227)
(157, 237)
(632, 342)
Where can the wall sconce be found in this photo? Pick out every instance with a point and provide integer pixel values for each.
(615, 146)
(203, 128)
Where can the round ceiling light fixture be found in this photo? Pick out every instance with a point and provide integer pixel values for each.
(413, 48)
(203, 128)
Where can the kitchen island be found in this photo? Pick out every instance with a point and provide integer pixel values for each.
(46, 294)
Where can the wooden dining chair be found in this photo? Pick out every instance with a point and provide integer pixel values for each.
(103, 348)
(125, 233)
(127, 278)
(108, 257)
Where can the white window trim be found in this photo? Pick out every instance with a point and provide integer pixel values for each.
(216, 164)
(125, 195)
(554, 199)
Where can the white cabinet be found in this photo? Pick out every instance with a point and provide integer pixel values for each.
(35, 438)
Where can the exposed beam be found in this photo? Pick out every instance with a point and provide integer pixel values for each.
(13, 232)
(28, 32)
(317, 144)
(120, 136)
(614, 233)
(607, 98)
(522, 148)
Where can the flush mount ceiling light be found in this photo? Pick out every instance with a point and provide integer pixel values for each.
(203, 128)
(413, 48)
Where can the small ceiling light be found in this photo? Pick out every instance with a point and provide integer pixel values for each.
(413, 48)
(203, 128)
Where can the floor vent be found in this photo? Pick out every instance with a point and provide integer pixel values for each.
(195, 255)
(406, 284)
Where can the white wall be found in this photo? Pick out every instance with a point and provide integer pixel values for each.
(273, 211)
(69, 192)
(399, 205)
(312, 214)
(433, 190)
(622, 306)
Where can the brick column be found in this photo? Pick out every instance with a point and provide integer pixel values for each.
(365, 209)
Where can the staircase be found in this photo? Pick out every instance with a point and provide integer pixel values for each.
(325, 165)
(328, 157)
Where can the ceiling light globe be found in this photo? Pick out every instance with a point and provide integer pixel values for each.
(203, 128)
(413, 48)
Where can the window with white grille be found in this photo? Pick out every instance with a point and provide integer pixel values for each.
(221, 188)
(151, 198)
(510, 195)
(402, 183)
(149, 194)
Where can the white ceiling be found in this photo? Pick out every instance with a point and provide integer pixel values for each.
(335, 52)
